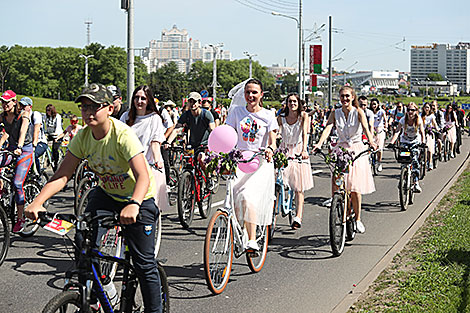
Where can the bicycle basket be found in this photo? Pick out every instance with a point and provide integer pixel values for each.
(404, 155)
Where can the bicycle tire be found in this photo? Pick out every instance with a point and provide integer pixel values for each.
(165, 289)
(31, 190)
(218, 252)
(78, 175)
(373, 163)
(173, 185)
(403, 191)
(336, 226)
(216, 184)
(82, 204)
(4, 235)
(272, 227)
(158, 234)
(422, 164)
(83, 186)
(350, 229)
(43, 179)
(256, 263)
(186, 199)
(205, 205)
(62, 301)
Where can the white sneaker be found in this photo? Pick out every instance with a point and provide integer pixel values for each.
(417, 188)
(327, 203)
(379, 168)
(430, 168)
(360, 228)
(252, 245)
(452, 155)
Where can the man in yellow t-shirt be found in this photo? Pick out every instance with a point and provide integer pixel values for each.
(126, 184)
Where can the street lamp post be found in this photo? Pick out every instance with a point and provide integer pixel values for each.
(215, 48)
(86, 66)
(299, 26)
(250, 57)
(128, 5)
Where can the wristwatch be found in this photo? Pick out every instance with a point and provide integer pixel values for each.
(132, 201)
(20, 147)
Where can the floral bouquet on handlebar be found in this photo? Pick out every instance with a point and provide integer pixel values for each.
(280, 158)
(223, 163)
(429, 130)
(446, 128)
(339, 159)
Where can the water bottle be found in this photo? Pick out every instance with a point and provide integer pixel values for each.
(111, 292)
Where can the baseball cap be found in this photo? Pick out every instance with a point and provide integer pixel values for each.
(170, 103)
(115, 91)
(97, 93)
(26, 101)
(8, 95)
(195, 96)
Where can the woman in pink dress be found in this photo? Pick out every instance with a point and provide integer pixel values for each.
(293, 125)
(451, 122)
(350, 121)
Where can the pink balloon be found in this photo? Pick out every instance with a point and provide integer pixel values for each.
(251, 166)
(222, 139)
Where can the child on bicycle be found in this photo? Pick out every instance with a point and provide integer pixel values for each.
(18, 130)
(126, 184)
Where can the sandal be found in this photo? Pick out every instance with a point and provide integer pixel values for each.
(297, 223)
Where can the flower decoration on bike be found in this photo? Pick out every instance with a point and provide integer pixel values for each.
(223, 162)
(339, 159)
(430, 129)
(280, 158)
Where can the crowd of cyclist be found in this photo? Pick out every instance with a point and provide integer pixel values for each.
(131, 156)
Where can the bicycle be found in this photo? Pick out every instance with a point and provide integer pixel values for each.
(407, 177)
(342, 219)
(31, 188)
(4, 235)
(86, 280)
(226, 238)
(284, 203)
(193, 188)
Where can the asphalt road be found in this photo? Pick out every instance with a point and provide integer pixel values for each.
(300, 273)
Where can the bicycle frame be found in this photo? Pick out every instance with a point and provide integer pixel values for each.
(285, 203)
(192, 165)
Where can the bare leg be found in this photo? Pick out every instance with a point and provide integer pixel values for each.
(299, 199)
(379, 156)
(356, 199)
(251, 230)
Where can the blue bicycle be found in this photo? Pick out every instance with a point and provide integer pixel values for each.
(284, 203)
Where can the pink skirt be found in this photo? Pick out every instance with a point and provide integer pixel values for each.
(430, 143)
(379, 138)
(359, 179)
(452, 134)
(161, 197)
(298, 175)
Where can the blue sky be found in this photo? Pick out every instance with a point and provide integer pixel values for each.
(368, 30)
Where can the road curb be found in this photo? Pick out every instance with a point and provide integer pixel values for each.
(372, 275)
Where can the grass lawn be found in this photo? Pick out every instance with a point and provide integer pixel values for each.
(432, 272)
(39, 104)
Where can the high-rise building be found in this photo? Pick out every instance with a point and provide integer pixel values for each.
(176, 46)
(452, 62)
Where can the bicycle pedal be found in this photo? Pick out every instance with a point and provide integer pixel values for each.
(253, 253)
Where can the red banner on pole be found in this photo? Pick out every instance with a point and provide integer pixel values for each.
(313, 82)
(315, 59)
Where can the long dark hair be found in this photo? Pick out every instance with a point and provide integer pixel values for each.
(301, 108)
(151, 106)
(53, 110)
(378, 104)
(259, 83)
(448, 116)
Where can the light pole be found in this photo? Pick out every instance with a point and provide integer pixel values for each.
(299, 26)
(128, 5)
(250, 57)
(350, 66)
(86, 66)
(215, 48)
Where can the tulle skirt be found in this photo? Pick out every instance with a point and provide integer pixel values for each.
(379, 138)
(161, 197)
(430, 142)
(298, 175)
(254, 194)
(452, 134)
(359, 178)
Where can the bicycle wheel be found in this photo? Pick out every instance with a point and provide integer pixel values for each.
(173, 185)
(205, 205)
(43, 179)
(256, 263)
(272, 227)
(82, 204)
(83, 186)
(336, 225)
(4, 235)
(218, 252)
(31, 190)
(216, 180)
(186, 199)
(403, 188)
(78, 175)
(158, 234)
(373, 163)
(110, 244)
(165, 289)
(422, 164)
(66, 301)
(350, 229)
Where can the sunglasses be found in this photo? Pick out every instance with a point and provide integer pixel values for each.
(91, 107)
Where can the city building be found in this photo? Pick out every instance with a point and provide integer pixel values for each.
(175, 45)
(276, 70)
(377, 80)
(451, 62)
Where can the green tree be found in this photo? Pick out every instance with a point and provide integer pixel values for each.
(168, 83)
(289, 83)
(435, 77)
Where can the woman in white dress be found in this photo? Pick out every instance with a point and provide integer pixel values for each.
(143, 117)
(380, 128)
(293, 129)
(254, 192)
(430, 123)
(451, 123)
(350, 121)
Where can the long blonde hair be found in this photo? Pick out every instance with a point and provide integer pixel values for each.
(416, 121)
(355, 102)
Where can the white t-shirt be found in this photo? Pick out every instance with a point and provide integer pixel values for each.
(37, 119)
(369, 115)
(410, 134)
(379, 118)
(252, 128)
(167, 121)
(148, 128)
